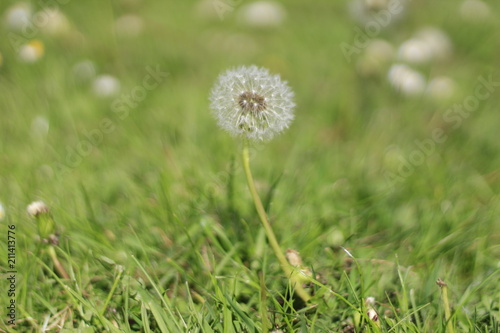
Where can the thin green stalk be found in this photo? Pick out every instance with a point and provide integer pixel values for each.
(57, 264)
(446, 305)
(267, 227)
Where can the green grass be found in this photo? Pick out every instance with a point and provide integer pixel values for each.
(157, 229)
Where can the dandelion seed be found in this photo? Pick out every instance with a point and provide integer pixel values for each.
(250, 102)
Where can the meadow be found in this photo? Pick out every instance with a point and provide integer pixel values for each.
(387, 182)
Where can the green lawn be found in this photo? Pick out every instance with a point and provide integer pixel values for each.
(381, 193)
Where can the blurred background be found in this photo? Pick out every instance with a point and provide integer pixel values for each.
(395, 146)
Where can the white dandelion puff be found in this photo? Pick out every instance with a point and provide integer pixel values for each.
(106, 86)
(250, 102)
(37, 208)
(406, 80)
(262, 14)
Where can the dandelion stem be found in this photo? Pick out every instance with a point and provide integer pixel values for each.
(446, 305)
(57, 264)
(269, 231)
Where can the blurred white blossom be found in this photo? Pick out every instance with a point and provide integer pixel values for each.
(18, 16)
(129, 26)
(40, 127)
(382, 13)
(84, 71)
(56, 22)
(428, 44)
(406, 80)
(106, 86)
(32, 51)
(441, 88)
(262, 14)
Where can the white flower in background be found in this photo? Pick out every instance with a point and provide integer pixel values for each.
(32, 51)
(441, 88)
(262, 14)
(55, 22)
(40, 127)
(376, 56)
(2, 212)
(438, 42)
(106, 86)
(371, 313)
(36, 208)
(129, 26)
(18, 16)
(84, 71)
(383, 13)
(475, 10)
(250, 102)
(406, 80)
(380, 50)
(415, 51)
(428, 44)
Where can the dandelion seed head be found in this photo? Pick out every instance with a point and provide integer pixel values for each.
(106, 86)
(250, 102)
(18, 16)
(406, 80)
(37, 208)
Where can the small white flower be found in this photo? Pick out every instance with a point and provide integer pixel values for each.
(2, 212)
(250, 102)
(415, 51)
(18, 16)
(55, 22)
(36, 208)
(84, 71)
(262, 14)
(429, 44)
(106, 86)
(32, 51)
(129, 26)
(406, 80)
(40, 127)
(382, 13)
(441, 88)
